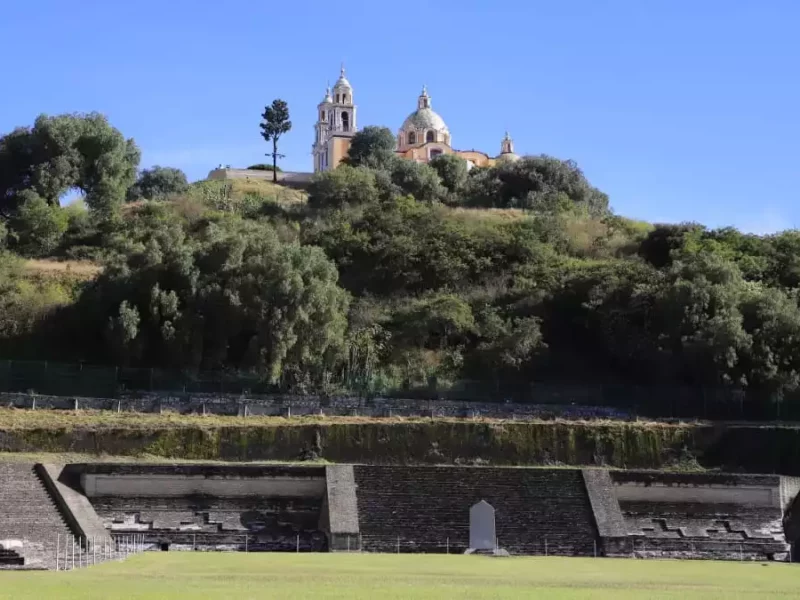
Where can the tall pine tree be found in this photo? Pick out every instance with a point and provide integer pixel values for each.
(275, 123)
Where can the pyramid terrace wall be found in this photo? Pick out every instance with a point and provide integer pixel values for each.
(722, 516)
(426, 509)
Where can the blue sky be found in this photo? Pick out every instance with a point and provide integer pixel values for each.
(679, 110)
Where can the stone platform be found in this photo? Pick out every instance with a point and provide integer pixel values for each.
(295, 508)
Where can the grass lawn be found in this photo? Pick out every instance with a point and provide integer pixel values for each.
(364, 576)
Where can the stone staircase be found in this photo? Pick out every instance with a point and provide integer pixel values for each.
(426, 509)
(29, 514)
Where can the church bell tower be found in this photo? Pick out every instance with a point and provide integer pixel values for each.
(336, 125)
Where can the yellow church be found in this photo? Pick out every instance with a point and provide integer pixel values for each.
(422, 136)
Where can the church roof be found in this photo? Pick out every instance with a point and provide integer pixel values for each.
(342, 83)
(425, 118)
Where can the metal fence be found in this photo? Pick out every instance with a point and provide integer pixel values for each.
(653, 401)
(75, 552)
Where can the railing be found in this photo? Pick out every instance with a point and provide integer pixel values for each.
(75, 552)
(654, 401)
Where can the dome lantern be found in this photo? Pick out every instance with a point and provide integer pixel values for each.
(423, 125)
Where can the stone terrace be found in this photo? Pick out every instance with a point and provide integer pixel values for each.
(537, 510)
(210, 507)
(702, 516)
(267, 524)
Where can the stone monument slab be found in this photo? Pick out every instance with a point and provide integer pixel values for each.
(482, 535)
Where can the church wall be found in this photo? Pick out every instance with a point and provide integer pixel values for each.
(479, 159)
(338, 148)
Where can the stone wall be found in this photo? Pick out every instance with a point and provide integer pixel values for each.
(293, 405)
(289, 178)
(608, 517)
(210, 507)
(206, 480)
(721, 516)
(426, 509)
(340, 516)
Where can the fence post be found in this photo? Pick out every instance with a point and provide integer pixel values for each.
(398, 544)
(58, 540)
(447, 546)
(73, 552)
(545, 546)
(298, 543)
(66, 554)
(595, 548)
(245, 544)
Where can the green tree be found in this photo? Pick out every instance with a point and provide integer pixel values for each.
(231, 295)
(417, 179)
(274, 124)
(343, 186)
(64, 152)
(372, 147)
(452, 170)
(660, 245)
(521, 184)
(37, 227)
(157, 183)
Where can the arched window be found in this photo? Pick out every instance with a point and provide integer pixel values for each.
(344, 98)
(337, 98)
(412, 138)
(345, 121)
(322, 115)
(430, 137)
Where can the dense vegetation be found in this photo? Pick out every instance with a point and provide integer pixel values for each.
(392, 274)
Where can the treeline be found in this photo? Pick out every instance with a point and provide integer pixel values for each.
(392, 274)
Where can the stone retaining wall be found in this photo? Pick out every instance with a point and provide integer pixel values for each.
(294, 405)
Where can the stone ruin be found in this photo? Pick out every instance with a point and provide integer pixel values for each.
(340, 508)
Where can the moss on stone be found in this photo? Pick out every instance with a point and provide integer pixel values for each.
(622, 445)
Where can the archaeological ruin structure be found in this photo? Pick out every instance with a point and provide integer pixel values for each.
(340, 508)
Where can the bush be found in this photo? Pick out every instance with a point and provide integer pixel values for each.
(158, 183)
(37, 227)
(263, 167)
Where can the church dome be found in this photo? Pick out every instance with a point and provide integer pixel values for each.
(508, 157)
(507, 153)
(424, 118)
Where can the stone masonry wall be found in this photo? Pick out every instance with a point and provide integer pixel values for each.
(294, 405)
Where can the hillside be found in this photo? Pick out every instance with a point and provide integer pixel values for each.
(391, 276)
(240, 189)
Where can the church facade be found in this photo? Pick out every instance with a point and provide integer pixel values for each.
(422, 136)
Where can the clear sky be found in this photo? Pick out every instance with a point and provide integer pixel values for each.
(678, 109)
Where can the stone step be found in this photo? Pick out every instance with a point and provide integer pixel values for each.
(29, 514)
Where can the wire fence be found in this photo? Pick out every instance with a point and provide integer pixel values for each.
(73, 552)
(652, 401)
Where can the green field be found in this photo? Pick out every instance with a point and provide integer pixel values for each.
(363, 576)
